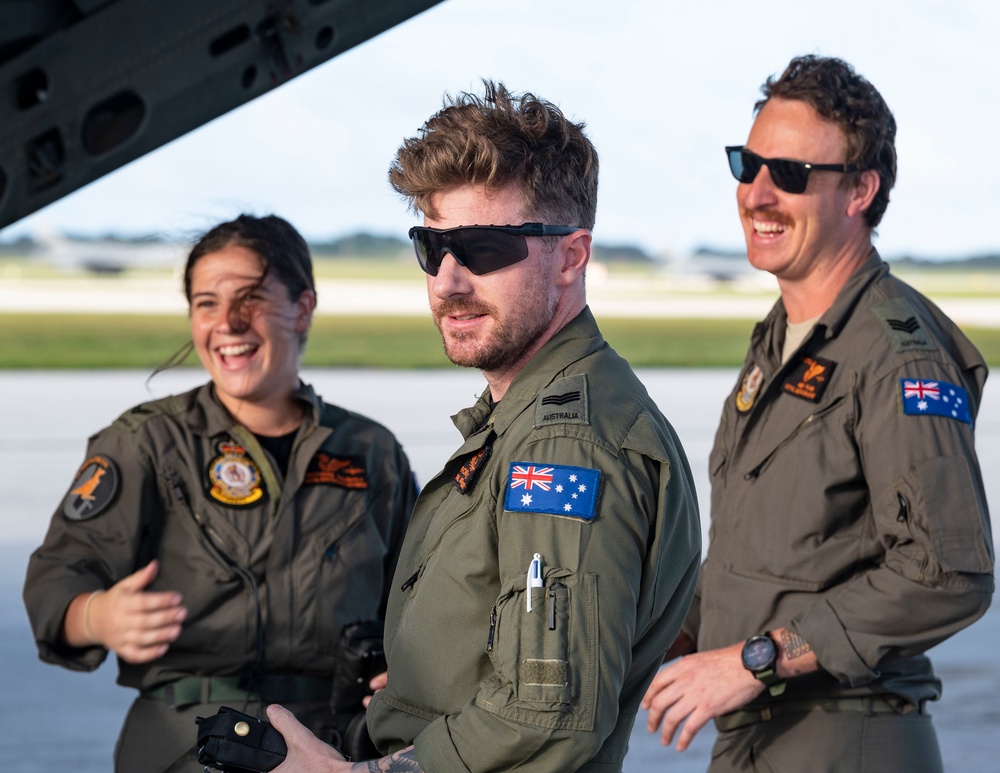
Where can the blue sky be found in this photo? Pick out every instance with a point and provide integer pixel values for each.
(662, 89)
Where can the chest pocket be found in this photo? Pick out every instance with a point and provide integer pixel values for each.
(796, 500)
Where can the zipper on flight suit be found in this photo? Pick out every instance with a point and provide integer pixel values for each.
(410, 581)
(493, 628)
(757, 470)
(218, 544)
(904, 508)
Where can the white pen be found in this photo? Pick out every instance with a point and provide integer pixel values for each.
(534, 576)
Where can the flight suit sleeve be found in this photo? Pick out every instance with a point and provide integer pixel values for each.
(92, 541)
(928, 508)
(559, 670)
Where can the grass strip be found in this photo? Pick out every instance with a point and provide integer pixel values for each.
(111, 341)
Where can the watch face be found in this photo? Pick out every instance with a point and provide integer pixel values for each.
(758, 653)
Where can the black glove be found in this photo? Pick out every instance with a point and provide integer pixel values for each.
(234, 742)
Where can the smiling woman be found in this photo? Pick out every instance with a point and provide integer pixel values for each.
(204, 528)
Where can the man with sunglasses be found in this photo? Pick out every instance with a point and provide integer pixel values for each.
(849, 525)
(553, 559)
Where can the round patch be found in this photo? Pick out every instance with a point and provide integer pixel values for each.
(93, 489)
(748, 389)
(235, 478)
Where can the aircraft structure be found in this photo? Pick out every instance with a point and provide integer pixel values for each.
(87, 86)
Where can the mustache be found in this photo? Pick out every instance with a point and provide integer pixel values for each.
(767, 214)
(461, 308)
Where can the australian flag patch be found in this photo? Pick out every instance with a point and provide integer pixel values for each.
(553, 489)
(935, 398)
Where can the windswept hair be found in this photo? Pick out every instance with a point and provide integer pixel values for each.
(499, 140)
(842, 96)
(282, 251)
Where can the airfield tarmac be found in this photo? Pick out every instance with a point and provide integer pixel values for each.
(609, 295)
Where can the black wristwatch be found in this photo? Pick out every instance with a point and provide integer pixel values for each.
(760, 654)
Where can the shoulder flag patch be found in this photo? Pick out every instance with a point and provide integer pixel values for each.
(935, 398)
(553, 489)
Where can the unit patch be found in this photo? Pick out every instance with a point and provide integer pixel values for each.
(93, 489)
(935, 398)
(467, 475)
(553, 489)
(333, 471)
(748, 389)
(809, 378)
(902, 327)
(564, 402)
(234, 476)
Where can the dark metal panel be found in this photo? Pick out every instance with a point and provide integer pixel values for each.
(89, 86)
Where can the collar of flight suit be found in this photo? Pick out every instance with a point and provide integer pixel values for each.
(576, 340)
(212, 418)
(769, 333)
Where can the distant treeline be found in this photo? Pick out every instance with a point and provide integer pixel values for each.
(369, 245)
(988, 262)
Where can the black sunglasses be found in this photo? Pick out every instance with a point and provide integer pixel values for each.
(790, 176)
(480, 248)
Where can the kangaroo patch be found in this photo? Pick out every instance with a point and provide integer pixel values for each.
(93, 489)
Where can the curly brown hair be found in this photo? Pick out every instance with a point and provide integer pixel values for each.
(498, 140)
(840, 95)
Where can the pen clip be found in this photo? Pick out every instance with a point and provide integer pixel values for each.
(534, 579)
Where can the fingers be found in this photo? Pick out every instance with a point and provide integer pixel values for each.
(138, 580)
(379, 681)
(305, 751)
(136, 625)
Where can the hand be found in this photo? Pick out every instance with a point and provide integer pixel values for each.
(695, 689)
(306, 753)
(377, 683)
(135, 625)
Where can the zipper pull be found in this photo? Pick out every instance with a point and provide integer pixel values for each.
(552, 604)
(178, 491)
(904, 509)
(411, 580)
(493, 627)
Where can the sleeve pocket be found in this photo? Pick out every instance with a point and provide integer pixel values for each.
(948, 514)
(553, 652)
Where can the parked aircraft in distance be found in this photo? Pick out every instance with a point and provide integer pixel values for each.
(106, 255)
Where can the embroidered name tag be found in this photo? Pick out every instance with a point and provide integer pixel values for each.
(809, 379)
(552, 489)
(333, 471)
(467, 475)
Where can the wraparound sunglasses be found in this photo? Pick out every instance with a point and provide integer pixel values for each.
(790, 176)
(480, 248)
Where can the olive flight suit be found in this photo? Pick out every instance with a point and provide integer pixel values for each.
(271, 566)
(576, 465)
(848, 506)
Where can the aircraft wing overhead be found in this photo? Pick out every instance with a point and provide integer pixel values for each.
(89, 85)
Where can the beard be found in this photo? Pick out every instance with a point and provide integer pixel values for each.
(510, 337)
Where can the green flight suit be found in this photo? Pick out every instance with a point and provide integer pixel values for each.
(178, 480)
(843, 514)
(476, 681)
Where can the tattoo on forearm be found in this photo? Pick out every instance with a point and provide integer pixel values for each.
(400, 762)
(794, 645)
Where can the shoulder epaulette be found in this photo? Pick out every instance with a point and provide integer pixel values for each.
(134, 418)
(902, 326)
